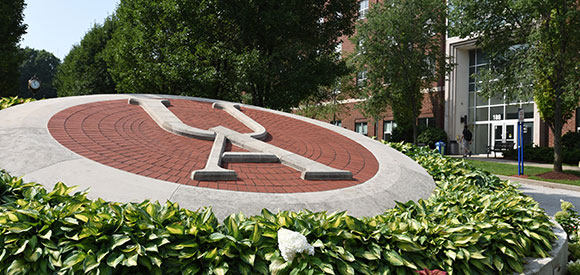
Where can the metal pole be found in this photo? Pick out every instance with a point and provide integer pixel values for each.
(520, 149)
(522, 143)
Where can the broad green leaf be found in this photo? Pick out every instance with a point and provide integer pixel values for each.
(82, 217)
(18, 266)
(114, 259)
(74, 258)
(222, 270)
(345, 268)
(256, 234)
(394, 258)
(12, 217)
(131, 259)
(277, 266)
(211, 254)
(175, 229)
(22, 247)
(214, 237)
(119, 239)
(318, 243)
(90, 263)
(19, 228)
(370, 255)
(248, 258)
(515, 265)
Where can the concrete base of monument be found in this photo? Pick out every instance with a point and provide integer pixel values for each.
(101, 143)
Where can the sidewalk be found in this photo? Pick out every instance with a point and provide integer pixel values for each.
(548, 194)
(484, 157)
(541, 183)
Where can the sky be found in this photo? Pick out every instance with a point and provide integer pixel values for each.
(56, 25)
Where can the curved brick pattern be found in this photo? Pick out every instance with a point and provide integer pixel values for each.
(123, 136)
(316, 143)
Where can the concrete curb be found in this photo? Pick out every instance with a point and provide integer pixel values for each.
(541, 183)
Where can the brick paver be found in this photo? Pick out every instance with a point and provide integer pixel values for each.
(123, 136)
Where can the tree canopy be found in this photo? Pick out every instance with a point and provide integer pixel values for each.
(399, 49)
(85, 69)
(289, 46)
(11, 29)
(42, 64)
(534, 50)
(173, 47)
(269, 53)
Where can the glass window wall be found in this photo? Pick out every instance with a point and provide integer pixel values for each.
(487, 112)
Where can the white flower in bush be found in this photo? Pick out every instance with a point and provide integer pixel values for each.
(291, 242)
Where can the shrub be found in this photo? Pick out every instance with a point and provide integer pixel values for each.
(574, 249)
(545, 154)
(473, 223)
(571, 155)
(403, 133)
(571, 140)
(431, 135)
(6, 102)
(574, 268)
(569, 219)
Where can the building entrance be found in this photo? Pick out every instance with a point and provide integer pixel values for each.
(503, 132)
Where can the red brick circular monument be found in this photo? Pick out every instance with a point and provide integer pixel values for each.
(201, 152)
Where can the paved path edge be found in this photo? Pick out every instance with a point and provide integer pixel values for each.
(541, 183)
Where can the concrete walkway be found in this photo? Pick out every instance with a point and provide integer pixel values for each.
(548, 194)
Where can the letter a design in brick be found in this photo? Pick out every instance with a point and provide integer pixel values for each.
(260, 151)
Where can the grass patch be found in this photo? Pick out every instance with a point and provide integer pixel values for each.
(511, 169)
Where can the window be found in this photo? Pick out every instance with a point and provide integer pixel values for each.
(336, 123)
(427, 121)
(388, 126)
(477, 61)
(361, 128)
(361, 78)
(363, 9)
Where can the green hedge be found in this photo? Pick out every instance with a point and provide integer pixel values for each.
(472, 224)
(570, 155)
(429, 136)
(571, 140)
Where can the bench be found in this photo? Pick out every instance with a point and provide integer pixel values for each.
(500, 147)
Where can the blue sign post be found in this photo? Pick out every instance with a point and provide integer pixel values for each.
(520, 141)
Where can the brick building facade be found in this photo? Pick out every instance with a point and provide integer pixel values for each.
(456, 103)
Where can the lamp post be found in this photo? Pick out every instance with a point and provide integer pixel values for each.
(34, 85)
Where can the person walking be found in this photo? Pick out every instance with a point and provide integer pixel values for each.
(467, 137)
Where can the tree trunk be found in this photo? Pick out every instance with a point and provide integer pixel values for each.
(415, 132)
(557, 131)
(558, 150)
(257, 99)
